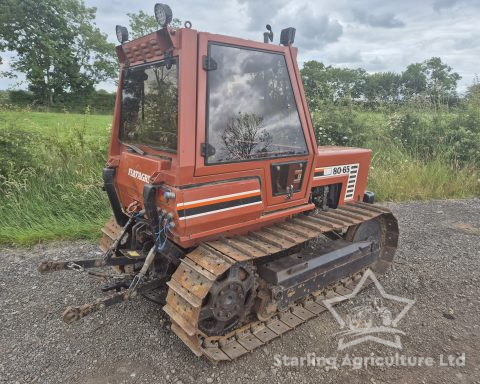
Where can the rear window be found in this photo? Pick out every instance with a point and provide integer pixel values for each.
(252, 113)
(150, 105)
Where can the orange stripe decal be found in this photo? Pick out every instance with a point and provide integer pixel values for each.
(221, 200)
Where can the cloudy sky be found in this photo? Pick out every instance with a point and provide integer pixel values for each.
(378, 35)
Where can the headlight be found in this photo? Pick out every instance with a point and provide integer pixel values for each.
(163, 14)
(122, 34)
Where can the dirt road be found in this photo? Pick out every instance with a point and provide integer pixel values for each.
(437, 265)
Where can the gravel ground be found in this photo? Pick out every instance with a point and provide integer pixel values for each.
(437, 264)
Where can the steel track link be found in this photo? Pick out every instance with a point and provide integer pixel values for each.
(198, 271)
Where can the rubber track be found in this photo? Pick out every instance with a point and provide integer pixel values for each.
(200, 268)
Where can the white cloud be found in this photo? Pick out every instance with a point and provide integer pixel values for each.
(438, 5)
(382, 20)
(377, 35)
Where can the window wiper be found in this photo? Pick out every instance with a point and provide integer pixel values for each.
(135, 149)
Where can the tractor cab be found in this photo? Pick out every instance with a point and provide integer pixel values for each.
(220, 126)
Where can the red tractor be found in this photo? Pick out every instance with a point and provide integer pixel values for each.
(226, 211)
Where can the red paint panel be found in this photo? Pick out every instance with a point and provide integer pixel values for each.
(132, 174)
(329, 156)
(210, 197)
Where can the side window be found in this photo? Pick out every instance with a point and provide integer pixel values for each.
(251, 108)
(150, 105)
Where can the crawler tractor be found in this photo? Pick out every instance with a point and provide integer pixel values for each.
(226, 211)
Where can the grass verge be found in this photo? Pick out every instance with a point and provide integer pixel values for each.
(50, 176)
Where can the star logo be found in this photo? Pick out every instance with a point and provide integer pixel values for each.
(368, 322)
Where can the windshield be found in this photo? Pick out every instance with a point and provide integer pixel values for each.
(150, 106)
(251, 107)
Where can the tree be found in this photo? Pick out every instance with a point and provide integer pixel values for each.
(348, 83)
(245, 136)
(473, 92)
(315, 80)
(58, 46)
(441, 80)
(142, 24)
(329, 84)
(432, 78)
(383, 87)
(414, 81)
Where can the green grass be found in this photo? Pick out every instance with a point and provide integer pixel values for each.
(56, 123)
(396, 176)
(52, 176)
(51, 164)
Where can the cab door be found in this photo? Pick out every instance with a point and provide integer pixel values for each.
(251, 118)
